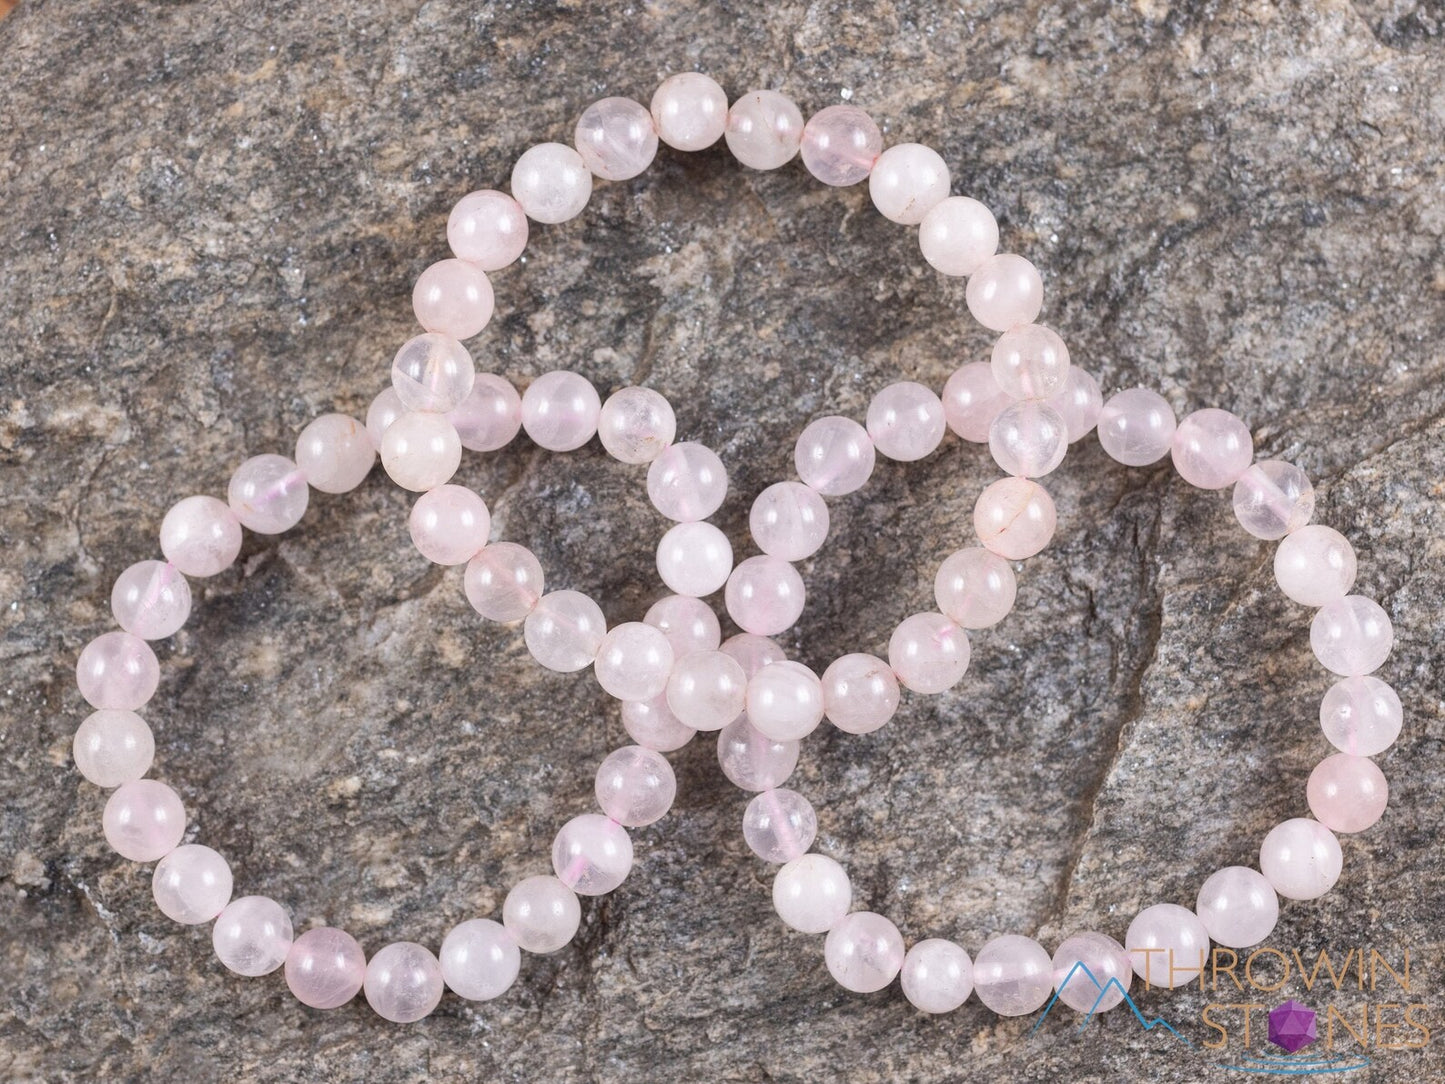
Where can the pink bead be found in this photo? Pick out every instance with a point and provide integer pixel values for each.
(753, 760)
(453, 297)
(488, 228)
(479, 959)
(928, 652)
(191, 884)
(1079, 403)
(504, 582)
(785, 701)
(592, 854)
(905, 421)
(1136, 427)
(812, 893)
(384, 410)
(1212, 448)
(560, 411)
(151, 600)
(564, 631)
(403, 982)
(143, 820)
(1005, 291)
(490, 416)
(840, 145)
(937, 976)
(325, 968)
(860, 693)
(117, 670)
(201, 536)
(636, 424)
(635, 786)
(1315, 565)
(694, 559)
(268, 494)
(834, 456)
(542, 914)
(449, 525)
(1272, 498)
(1352, 636)
(690, 111)
(764, 129)
(335, 453)
(972, 399)
(252, 936)
(433, 372)
(907, 181)
(779, 825)
(113, 747)
(688, 623)
(687, 482)
(1013, 975)
(1014, 517)
(652, 725)
(1169, 945)
(1347, 794)
(616, 138)
(864, 952)
(633, 662)
(1238, 906)
(789, 520)
(421, 450)
(1030, 362)
(957, 235)
(706, 690)
(975, 588)
(551, 182)
(1091, 972)
(1028, 439)
(765, 595)
(1361, 716)
(1301, 858)
(752, 652)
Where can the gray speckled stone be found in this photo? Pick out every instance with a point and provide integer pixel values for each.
(210, 217)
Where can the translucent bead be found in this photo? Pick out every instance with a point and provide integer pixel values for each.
(1169, 945)
(694, 559)
(636, 424)
(764, 129)
(113, 747)
(117, 670)
(937, 976)
(1030, 362)
(652, 725)
(907, 181)
(1079, 403)
(252, 936)
(592, 854)
(449, 524)
(1212, 448)
(635, 786)
(403, 982)
(1315, 565)
(201, 536)
(860, 693)
(785, 701)
(687, 482)
(384, 410)
(840, 145)
(1028, 439)
(864, 952)
(551, 182)
(1085, 969)
(542, 914)
(1013, 975)
(789, 521)
(812, 893)
(1301, 858)
(564, 631)
(957, 235)
(905, 421)
(779, 825)
(490, 416)
(765, 595)
(690, 111)
(706, 690)
(1015, 518)
(560, 411)
(834, 456)
(504, 582)
(633, 661)
(1238, 906)
(753, 760)
(616, 138)
(1361, 716)
(1347, 794)
(479, 959)
(488, 228)
(325, 968)
(1352, 636)
(753, 652)
(421, 451)
(151, 599)
(433, 372)
(335, 453)
(143, 820)
(192, 884)
(975, 588)
(1005, 291)
(1136, 427)
(1273, 498)
(928, 652)
(268, 493)
(453, 297)
(688, 623)
(972, 399)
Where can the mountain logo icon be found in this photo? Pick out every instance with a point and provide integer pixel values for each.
(1082, 969)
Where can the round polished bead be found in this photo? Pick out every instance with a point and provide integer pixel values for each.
(937, 976)
(117, 670)
(789, 520)
(633, 661)
(151, 599)
(957, 235)
(560, 411)
(143, 820)
(1005, 291)
(1273, 498)
(1352, 636)
(1136, 427)
(335, 453)
(201, 536)
(487, 228)
(551, 182)
(707, 690)
(592, 854)
(403, 982)
(1301, 858)
(449, 524)
(1238, 906)
(753, 652)
(652, 725)
(636, 424)
(975, 588)
(840, 145)
(1168, 944)
(694, 559)
(564, 631)
(635, 786)
(687, 482)
(1347, 794)
(690, 111)
(860, 693)
(785, 701)
(479, 959)
(688, 623)
(384, 410)
(1014, 518)
(907, 181)
(864, 952)
(325, 968)
(812, 893)
(1212, 448)
(420, 451)
(1028, 439)
(1079, 403)
(905, 421)
(779, 825)
(764, 129)
(765, 595)
(1013, 975)
(616, 138)
(1091, 972)
(1315, 565)
(192, 884)
(753, 760)
(113, 747)
(433, 372)
(268, 493)
(1030, 362)
(252, 935)
(490, 416)
(504, 582)
(542, 914)
(453, 297)
(928, 652)
(972, 399)
(834, 456)
(1361, 716)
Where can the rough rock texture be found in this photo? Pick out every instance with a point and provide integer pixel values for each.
(210, 217)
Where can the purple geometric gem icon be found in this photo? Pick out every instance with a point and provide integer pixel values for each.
(1292, 1026)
